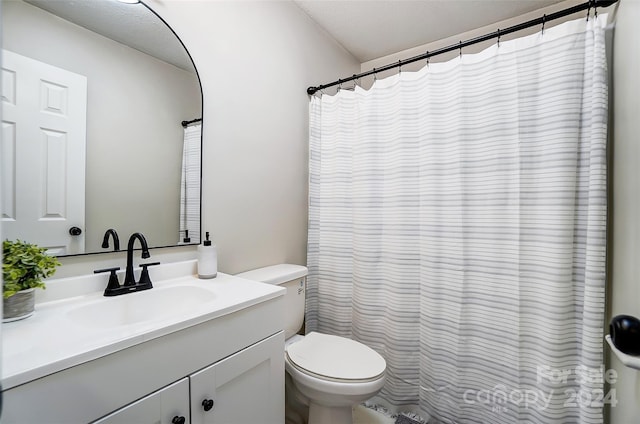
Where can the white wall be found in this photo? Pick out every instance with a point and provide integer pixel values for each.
(135, 104)
(624, 229)
(256, 59)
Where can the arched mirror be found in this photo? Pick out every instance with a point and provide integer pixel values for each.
(95, 93)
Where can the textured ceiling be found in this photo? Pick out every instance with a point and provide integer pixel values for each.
(131, 24)
(370, 29)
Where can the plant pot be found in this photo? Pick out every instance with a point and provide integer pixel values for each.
(19, 306)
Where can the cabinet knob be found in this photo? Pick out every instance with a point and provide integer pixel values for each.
(75, 231)
(178, 420)
(207, 404)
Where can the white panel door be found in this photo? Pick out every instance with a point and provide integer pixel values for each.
(247, 387)
(43, 153)
(166, 406)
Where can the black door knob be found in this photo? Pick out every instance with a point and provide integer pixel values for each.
(75, 231)
(207, 404)
(178, 420)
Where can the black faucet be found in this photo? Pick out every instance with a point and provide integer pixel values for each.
(116, 241)
(129, 279)
(130, 285)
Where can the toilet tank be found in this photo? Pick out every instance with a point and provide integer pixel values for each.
(291, 277)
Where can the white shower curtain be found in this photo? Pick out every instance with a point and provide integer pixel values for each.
(190, 184)
(457, 226)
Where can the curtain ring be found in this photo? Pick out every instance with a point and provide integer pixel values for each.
(339, 86)
(592, 3)
(428, 58)
(375, 75)
(544, 20)
(460, 47)
(399, 67)
(356, 81)
(498, 37)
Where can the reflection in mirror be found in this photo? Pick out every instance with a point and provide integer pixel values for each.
(94, 96)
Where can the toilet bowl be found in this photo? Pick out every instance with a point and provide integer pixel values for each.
(330, 374)
(333, 374)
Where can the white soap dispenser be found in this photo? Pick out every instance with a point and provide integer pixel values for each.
(207, 259)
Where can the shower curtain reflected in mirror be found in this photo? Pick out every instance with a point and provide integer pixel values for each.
(457, 226)
(190, 185)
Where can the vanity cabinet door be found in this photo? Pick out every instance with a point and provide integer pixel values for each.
(246, 387)
(166, 406)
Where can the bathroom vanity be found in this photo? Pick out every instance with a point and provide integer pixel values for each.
(186, 351)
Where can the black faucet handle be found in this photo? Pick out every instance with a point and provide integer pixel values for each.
(113, 283)
(112, 270)
(145, 280)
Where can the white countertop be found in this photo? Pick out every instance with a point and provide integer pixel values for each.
(53, 339)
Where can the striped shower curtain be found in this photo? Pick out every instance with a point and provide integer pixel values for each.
(457, 226)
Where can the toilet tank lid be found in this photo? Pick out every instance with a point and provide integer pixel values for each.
(275, 274)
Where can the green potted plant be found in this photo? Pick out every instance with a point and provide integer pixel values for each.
(24, 266)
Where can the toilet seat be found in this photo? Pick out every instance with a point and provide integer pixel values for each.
(335, 358)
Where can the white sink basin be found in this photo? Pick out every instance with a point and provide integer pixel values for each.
(156, 304)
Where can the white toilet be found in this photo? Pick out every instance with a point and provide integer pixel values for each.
(330, 374)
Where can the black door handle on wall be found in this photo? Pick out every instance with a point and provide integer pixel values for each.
(75, 231)
(207, 404)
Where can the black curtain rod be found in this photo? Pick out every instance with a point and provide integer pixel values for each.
(185, 123)
(497, 34)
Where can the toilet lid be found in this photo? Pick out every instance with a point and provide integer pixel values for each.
(336, 358)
